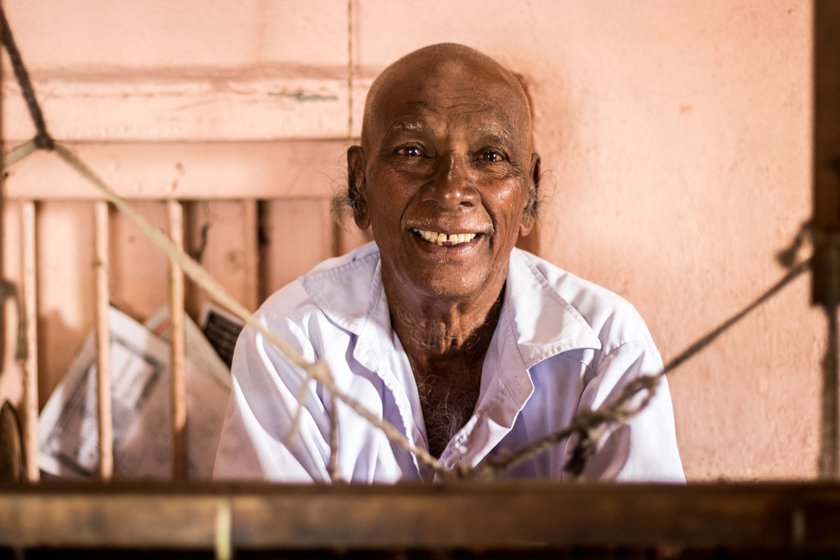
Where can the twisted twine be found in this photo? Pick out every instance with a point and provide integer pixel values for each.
(42, 138)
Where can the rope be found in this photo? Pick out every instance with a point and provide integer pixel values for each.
(18, 153)
(42, 138)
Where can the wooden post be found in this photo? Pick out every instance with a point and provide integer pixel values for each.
(29, 288)
(175, 215)
(251, 250)
(103, 341)
(826, 211)
(826, 214)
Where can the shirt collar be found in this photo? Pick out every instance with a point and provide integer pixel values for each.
(544, 324)
(350, 293)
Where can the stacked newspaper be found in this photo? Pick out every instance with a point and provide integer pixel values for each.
(140, 392)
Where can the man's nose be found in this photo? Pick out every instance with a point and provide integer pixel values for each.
(453, 184)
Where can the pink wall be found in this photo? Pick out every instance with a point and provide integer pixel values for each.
(675, 137)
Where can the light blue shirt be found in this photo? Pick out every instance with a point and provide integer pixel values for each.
(562, 345)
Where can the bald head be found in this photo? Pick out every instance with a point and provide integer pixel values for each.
(446, 177)
(426, 68)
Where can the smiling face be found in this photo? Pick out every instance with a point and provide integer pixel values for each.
(445, 174)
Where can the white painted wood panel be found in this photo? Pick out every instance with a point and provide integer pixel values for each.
(227, 249)
(189, 104)
(187, 171)
(296, 235)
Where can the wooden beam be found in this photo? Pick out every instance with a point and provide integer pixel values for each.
(471, 516)
(185, 104)
(187, 171)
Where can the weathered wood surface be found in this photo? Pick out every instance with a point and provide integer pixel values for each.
(462, 516)
(188, 104)
(102, 299)
(29, 291)
(177, 345)
(826, 212)
(187, 171)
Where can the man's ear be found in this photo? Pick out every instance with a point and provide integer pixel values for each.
(529, 214)
(356, 186)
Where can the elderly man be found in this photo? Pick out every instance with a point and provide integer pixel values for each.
(466, 345)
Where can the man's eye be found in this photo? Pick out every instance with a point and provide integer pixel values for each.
(410, 151)
(493, 156)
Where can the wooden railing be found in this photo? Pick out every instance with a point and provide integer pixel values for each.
(539, 519)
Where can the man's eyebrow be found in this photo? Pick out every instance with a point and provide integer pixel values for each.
(410, 126)
(494, 134)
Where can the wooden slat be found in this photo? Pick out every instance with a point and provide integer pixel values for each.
(309, 224)
(29, 287)
(223, 236)
(250, 250)
(475, 516)
(103, 341)
(140, 272)
(187, 171)
(188, 105)
(178, 394)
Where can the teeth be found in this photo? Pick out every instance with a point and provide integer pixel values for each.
(441, 238)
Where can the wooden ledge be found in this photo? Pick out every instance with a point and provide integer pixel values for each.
(475, 516)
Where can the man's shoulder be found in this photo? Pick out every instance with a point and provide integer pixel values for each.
(612, 318)
(367, 254)
(569, 286)
(334, 285)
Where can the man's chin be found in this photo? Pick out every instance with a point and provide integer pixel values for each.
(455, 285)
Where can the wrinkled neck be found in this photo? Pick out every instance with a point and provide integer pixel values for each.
(447, 335)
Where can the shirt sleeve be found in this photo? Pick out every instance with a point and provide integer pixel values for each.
(256, 440)
(645, 447)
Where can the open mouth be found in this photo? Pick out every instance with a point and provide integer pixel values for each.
(441, 239)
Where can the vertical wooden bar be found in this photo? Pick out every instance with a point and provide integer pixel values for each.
(29, 288)
(826, 209)
(251, 251)
(3, 327)
(175, 215)
(103, 341)
(825, 221)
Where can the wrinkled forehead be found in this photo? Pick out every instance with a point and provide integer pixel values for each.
(448, 86)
